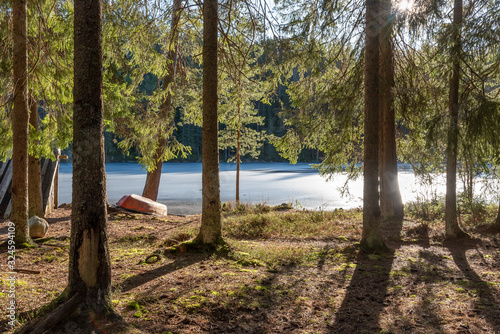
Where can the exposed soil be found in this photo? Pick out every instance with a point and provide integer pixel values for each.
(313, 284)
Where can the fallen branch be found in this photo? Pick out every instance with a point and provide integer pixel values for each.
(42, 240)
(55, 245)
(26, 271)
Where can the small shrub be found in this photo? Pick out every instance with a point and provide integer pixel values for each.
(426, 209)
(262, 208)
(283, 207)
(475, 211)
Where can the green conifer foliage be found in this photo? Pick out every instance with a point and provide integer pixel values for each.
(242, 88)
(50, 56)
(138, 44)
(468, 50)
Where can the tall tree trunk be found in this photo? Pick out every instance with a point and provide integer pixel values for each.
(391, 204)
(497, 223)
(238, 146)
(89, 263)
(20, 120)
(470, 181)
(371, 236)
(452, 228)
(35, 205)
(166, 114)
(238, 142)
(210, 230)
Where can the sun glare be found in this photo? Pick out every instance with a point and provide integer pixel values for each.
(404, 6)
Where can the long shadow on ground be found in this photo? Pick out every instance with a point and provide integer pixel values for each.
(366, 294)
(487, 307)
(252, 312)
(180, 262)
(283, 301)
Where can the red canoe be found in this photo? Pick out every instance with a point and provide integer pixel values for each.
(142, 204)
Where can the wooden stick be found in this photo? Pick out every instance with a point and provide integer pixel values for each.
(26, 271)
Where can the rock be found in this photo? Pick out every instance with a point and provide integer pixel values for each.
(38, 227)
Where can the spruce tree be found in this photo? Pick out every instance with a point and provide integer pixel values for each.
(20, 121)
(497, 222)
(241, 89)
(371, 238)
(453, 230)
(35, 197)
(89, 264)
(166, 114)
(391, 203)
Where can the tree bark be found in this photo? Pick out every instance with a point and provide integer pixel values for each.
(497, 223)
(238, 143)
(391, 204)
(371, 238)
(238, 146)
(20, 120)
(35, 204)
(167, 115)
(452, 228)
(210, 230)
(89, 262)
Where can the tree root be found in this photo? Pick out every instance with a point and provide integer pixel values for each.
(44, 324)
(153, 258)
(74, 316)
(30, 243)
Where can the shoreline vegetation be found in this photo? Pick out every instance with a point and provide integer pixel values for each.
(283, 270)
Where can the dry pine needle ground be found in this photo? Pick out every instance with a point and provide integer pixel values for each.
(286, 272)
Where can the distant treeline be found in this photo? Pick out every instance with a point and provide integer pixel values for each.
(190, 135)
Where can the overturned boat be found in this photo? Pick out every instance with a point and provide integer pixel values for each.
(141, 204)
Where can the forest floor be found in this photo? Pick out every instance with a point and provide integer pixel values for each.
(287, 271)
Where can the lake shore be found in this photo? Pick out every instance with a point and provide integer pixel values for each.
(264, 183)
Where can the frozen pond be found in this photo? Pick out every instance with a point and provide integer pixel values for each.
(260, 182)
